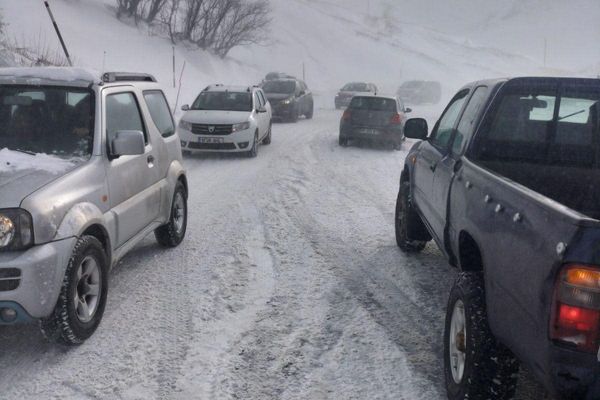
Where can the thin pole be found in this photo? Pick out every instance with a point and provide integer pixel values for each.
(104, 62)
(179, 90)
(303, 72)
(62, 42)
(174, 67)
(545, 50)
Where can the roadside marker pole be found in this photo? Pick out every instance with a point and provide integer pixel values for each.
(62, 42)
(174, 84)
(179, 90)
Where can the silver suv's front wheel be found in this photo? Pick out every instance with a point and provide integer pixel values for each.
(82, 298)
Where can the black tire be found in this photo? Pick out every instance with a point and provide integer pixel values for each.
(64, 325)
(294, 115)
(186, 153)
(343, 141)
(411, 234)
(490, 369)
(253, 152)
(310, 112)
(172, 233)
(267, 139)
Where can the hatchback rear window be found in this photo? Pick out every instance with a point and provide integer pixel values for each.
(373, 103)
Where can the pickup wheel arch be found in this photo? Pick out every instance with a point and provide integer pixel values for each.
(469, 253)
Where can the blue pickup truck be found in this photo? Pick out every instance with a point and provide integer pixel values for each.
(508, 186)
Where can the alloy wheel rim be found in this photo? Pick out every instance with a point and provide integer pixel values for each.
(178, 212)
(458, 342)
(87, 290)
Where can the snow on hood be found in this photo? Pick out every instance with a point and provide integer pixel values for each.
(13, 161)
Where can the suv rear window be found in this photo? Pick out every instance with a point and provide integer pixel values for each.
(159, 110)
(373, 103)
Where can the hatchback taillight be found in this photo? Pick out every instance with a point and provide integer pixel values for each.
(346, 116)
(576, 308)
(396, 119)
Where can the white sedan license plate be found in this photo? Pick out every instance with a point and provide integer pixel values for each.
(210, 140)
(368, 131)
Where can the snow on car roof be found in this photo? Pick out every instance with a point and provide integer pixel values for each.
(228, 88)
(56, 74)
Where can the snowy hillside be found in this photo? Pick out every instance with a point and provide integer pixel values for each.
(451, 42)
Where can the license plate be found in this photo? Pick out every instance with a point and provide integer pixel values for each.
(210, 140)
(367, 131)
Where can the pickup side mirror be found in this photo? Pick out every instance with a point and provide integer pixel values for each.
(127, 143)
(416, 128)
(185, 107)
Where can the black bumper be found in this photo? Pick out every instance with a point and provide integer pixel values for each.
(573, 374)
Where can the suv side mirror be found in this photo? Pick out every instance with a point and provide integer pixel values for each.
(261, 109)
(416, 128)
(302, 93)
(185, 107)
(127, 143)
(407, 110)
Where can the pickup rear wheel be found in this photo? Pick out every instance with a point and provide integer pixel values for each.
(82, 297)
(408, 222)
(476, 365)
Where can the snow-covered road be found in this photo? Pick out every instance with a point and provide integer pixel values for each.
(289, 285)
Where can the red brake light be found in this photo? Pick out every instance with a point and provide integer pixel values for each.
(396, 119)
(346, 116)
(576, 308)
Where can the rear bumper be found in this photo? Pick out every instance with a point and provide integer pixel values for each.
(381, 135)
(573, 375)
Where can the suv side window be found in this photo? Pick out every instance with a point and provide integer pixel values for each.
(466, 125)
(160, 112)
(123, 114)
(442, 133)
(298, 89)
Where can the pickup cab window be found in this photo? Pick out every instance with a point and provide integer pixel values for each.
(442, 134)
(468, 119)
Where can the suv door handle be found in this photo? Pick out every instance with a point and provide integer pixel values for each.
(150, 160)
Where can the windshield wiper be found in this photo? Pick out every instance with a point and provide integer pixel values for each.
(31, 153)
(571, 115)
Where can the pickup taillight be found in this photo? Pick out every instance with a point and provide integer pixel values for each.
(576, 308)
(346, 116)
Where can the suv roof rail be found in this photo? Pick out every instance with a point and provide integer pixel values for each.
(127, 77)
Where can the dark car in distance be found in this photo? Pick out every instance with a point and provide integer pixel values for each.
(373, 118)
(420, 92)
(349, 90)
(289, 98)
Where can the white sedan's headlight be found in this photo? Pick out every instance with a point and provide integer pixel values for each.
(16, 229)
(240, 127)
(185, 125)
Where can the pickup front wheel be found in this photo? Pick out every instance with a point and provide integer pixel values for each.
(476, 365)
(411, 234)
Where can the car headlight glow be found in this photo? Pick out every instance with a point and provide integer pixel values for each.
(288, 101)
(185, 125)
(16, 229)
(241, 126)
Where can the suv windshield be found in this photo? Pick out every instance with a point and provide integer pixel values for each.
(50, 120)
(280, 87)
(373, 103)
(356, 87)
(223, 101)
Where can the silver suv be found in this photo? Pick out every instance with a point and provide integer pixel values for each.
(89, 165)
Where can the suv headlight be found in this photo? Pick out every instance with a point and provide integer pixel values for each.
(240, 127)
(185, 125)
(288, 101)
(16, 229)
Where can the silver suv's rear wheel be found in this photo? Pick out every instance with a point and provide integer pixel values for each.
(173, 232)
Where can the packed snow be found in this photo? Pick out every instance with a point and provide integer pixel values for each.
(13, 161)
(289, 284)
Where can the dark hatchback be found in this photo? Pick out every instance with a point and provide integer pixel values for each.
(374, 119)
(289, 98)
